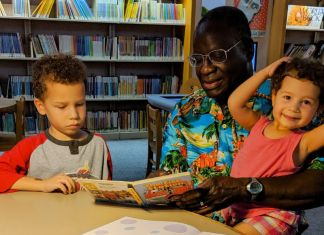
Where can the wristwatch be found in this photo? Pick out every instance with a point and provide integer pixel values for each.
(254, 187)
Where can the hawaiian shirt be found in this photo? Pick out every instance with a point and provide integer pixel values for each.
(200, 138)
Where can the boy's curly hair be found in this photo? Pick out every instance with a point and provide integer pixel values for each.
(61, 68)
(300, 69)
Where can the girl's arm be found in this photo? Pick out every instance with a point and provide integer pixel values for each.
(244, 115)
(311, 141)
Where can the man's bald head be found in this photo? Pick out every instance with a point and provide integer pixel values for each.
(231, 19)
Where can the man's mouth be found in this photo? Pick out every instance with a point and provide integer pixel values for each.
(291, 118)
(210, 86)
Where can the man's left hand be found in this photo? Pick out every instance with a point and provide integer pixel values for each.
(216, 193)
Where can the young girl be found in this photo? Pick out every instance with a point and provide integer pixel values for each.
(278, 147)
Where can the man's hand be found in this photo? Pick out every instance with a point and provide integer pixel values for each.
(62, 182)
(216, 193)
(158, 173)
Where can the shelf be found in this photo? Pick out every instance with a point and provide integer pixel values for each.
(132, 135)
(312, 30)
(99, 99)
(92, 21)
(100, 60)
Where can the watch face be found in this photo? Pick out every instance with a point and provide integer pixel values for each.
(255, 187)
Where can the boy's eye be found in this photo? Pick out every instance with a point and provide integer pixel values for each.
(62, 107)
(80, 104)
(287, 97)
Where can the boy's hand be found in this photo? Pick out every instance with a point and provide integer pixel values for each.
(158, 173)
(62, 182)
(272, 67)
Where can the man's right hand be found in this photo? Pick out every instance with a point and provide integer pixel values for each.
(158, 173)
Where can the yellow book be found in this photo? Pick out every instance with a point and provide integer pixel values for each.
(134, 10)
(39, 5)
(41, 8)
(50, 8)
(128, 9)
(45, 9)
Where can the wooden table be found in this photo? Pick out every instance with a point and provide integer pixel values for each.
(32, 213)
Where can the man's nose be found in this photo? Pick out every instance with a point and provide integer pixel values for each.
(207, 66)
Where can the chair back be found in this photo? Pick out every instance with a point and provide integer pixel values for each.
(8, 141)
(154, 130)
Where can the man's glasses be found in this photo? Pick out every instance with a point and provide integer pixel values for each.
(215, 57)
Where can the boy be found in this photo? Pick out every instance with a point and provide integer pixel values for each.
(54, 159)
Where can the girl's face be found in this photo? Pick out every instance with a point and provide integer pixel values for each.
(295, 103)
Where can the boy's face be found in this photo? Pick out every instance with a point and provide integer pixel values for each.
(65, 107)
(295, 103)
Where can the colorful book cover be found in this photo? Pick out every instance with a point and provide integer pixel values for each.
(155, 191)
(304, 17)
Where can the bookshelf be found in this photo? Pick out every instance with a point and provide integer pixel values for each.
(279, 35)
(55, 26)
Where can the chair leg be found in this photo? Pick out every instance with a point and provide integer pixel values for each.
(149, 163)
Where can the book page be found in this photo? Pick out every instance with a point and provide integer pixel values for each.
(133, 226)
(109, 191)
(164, 189)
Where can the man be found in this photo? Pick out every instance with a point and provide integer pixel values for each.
(202, 137)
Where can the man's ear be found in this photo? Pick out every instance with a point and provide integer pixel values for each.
(40, 106)
(249, 48)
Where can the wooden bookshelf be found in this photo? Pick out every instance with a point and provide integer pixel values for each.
(279, 35)
(103, 67)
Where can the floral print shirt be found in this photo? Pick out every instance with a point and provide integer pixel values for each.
(200, 138)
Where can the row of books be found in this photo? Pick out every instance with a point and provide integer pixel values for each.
(20, 8)
(131, 86)
(44, 9)
(74, 9)
(2, 11)
(102, 10)
(166, 48)
(11, 45)
(7, 123)
(302, 51)
(43, 45)
(89, 46)
(19, 86)
(152, 11)
(99, 87)
(99, 122)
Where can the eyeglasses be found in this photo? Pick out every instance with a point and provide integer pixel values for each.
(215, 57)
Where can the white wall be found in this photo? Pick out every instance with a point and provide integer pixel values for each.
(263, 42)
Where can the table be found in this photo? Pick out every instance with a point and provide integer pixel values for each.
(164, 102)
(6, 102)
(31, 213)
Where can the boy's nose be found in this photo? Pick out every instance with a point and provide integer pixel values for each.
(74, 114)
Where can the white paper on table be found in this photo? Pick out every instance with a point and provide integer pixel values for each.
(128, 226)
(206, 233)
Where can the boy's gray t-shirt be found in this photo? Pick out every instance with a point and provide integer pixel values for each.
(78, 159)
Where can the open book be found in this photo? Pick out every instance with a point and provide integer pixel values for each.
(128, 225)
(160, 190)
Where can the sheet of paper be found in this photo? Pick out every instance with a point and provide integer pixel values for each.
(206, 233)
(133, 226)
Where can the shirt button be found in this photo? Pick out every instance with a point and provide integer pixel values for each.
(224, 126)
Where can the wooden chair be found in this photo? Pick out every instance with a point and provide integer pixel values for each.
(190, 86)
(154, 129)
(8, 141)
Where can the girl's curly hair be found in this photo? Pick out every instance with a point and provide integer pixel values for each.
(61, 68)
(300, 69)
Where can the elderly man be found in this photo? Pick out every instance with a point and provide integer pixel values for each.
(202, 137)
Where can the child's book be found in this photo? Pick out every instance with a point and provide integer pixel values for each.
(129, 225)
(154, 191)
(304, 17)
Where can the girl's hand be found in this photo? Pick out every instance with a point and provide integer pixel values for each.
(272, 67)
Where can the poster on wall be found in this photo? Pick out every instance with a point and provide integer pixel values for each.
(207, 5)
(256, 11)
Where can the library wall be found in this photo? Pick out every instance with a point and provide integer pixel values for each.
(263, 42)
